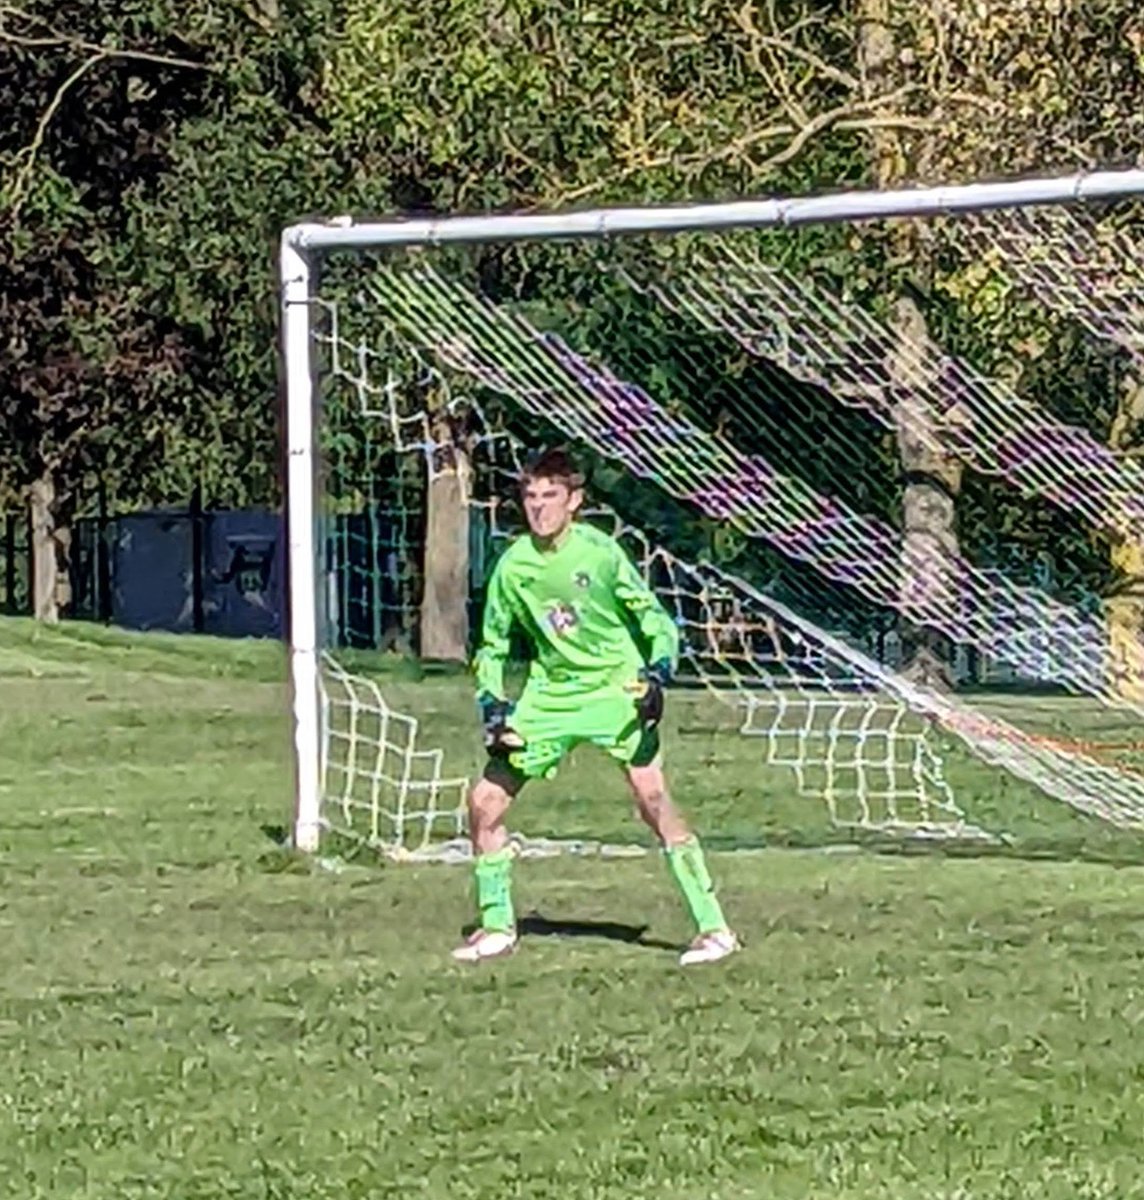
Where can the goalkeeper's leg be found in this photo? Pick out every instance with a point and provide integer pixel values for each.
(636, 746)
(495, 935)
(684, 855)
(507, 771)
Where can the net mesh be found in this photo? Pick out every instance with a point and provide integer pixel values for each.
(503, 351)
(1094, 273)
(817, 337)
(379, 783)
(863, 740)
(432, 356)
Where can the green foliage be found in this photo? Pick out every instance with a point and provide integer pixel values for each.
(129, 321)
(1043, 85)
(544, 102)
(242, 119)
(141, 198)
(977, 313)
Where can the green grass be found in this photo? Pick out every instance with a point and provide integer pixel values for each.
(186, 1013)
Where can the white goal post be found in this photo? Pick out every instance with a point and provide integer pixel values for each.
(304, 246)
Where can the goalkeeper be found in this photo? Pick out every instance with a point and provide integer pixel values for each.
(580, 603)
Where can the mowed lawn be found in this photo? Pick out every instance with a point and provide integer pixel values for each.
(186, 1011)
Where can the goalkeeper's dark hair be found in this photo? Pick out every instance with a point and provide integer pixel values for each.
(556, 464)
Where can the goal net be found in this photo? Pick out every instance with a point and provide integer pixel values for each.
(860, 446)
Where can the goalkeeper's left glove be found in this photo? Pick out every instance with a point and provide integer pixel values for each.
(650, 705)
(500, 740)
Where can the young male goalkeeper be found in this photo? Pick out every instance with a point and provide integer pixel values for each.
(580, 602)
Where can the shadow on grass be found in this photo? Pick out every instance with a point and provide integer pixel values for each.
(538, 925)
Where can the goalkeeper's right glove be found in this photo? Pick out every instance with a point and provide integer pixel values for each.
(650, 704)
(500, 740)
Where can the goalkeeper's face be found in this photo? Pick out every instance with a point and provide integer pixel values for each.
(550, 506)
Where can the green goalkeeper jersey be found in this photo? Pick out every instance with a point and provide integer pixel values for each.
(582, 606)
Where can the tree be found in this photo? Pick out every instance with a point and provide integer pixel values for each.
(138, 328)
(451, 105)
(445, 596)
(84, 367)
(993, 89)
(546, 104)
(1058, 84)
(157, 149)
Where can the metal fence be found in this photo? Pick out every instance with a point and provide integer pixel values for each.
(15, 564)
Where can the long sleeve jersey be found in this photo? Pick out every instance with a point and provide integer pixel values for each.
(581, 606)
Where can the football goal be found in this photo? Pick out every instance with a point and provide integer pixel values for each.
(872, 450)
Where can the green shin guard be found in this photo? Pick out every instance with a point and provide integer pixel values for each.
(689, 870)
(494, 890)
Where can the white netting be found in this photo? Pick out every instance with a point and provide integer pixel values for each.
(504, 352)
(1092, 273)
(824, 714)
(378, 784)
(822, 339)
(725, 372)
(824, 719)
(849, 732)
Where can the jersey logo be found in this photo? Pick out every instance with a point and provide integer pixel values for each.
(582, 579)
(563, 619)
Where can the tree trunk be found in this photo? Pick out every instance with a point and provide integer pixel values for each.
(932, 481)
(1124, 606)
(51, 587)
(445, 598)
(932, 478)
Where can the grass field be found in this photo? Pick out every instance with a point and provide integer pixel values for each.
(188, 1012)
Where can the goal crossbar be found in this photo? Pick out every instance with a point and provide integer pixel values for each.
(345, 234)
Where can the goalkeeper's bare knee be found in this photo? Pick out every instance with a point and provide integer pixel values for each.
(655, 806)
(488, 804)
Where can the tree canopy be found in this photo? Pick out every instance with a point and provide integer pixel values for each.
(156, 149)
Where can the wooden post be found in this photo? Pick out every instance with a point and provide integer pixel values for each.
(198, 561)
(10, 606)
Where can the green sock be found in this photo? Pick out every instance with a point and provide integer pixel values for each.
(494, 890)
(689, 871)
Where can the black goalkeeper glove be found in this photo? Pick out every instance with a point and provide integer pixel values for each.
(500, 740)
(650, 705)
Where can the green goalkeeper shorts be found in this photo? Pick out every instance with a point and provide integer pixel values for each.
(552, 725)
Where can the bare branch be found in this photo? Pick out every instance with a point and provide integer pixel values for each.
(744, 17)
(833, 118)
(780, 80)
(61, 40)
(56, 39)
(852, 114)
(895, 122)
(858, 115)
(30, 152)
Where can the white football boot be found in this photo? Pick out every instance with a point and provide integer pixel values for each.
(486, 943)
(709, 947)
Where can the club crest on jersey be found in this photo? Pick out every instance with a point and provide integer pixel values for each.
(582, 579)
(563, 619)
